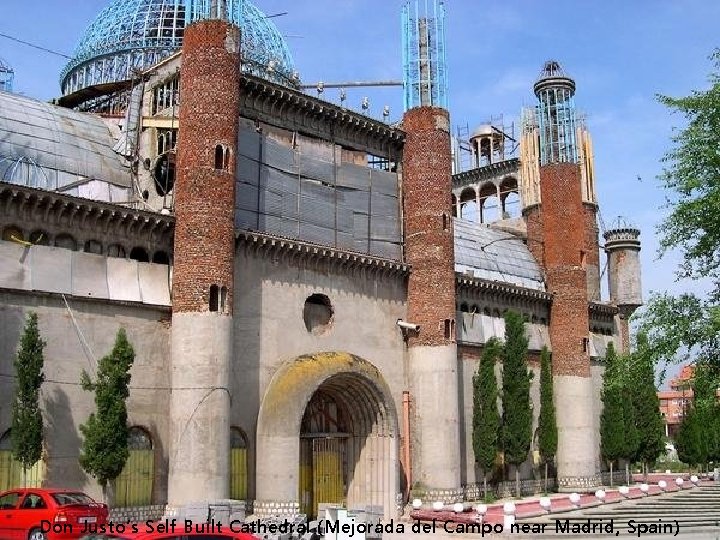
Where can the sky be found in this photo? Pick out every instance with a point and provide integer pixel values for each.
(621, 53)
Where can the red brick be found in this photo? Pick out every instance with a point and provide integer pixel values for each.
(205, 197)
(429, 242)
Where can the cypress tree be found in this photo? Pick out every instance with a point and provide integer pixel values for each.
(547, 425)
(27, 424)
(612, 424)
(517, 415)
(690, 440)
(486, 418)
(632, 437)
(646, 405)
(104, 448)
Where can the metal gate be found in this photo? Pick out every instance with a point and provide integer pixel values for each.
(322, 473)
(134, 485)
(11, 472)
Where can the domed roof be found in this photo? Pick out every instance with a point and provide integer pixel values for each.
(133, 35)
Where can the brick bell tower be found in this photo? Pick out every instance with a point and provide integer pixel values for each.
(430, 250)
(562, 224)
(203, 280)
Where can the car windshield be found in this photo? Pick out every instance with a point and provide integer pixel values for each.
(71, 498)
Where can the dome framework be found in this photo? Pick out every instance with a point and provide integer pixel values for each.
(130, 36)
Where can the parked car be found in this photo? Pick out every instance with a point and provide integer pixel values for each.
(47, 514)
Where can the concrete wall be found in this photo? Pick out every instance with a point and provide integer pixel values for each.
(65, 404)
(468, 367)
(270, 331)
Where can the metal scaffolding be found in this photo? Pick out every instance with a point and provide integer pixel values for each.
(7, 76)
(424, 66)
(129, 36)
(556, 115)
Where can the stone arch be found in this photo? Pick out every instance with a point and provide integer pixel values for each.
(509, 198)
(134, 485)
(468, 204)
(372, 447)
(489, 203)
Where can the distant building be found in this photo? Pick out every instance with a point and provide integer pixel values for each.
(673, 402)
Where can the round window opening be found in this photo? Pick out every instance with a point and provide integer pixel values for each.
(318, 314)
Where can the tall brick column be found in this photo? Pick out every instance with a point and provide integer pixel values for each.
(429, 248)
(565, 242)
(202, 326)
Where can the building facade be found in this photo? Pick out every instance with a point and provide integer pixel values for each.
(307, 302)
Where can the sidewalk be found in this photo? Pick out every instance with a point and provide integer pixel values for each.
(529, 507)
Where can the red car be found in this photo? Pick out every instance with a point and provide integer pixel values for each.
(47, 514)
(173, 536)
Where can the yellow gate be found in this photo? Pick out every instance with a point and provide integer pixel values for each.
(11, 472)
(322, 478)
(134, 485)
(238, 474)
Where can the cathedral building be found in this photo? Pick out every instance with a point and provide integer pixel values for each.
(308, 290)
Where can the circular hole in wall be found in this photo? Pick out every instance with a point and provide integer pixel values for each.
(318, 314)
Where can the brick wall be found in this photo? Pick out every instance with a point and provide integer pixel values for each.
(563, 225)
(533, 219)
(592, 249)
(427, 207)
(204, 195)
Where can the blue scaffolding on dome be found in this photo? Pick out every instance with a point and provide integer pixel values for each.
(7, 76)
(130, 36)
(425, 78)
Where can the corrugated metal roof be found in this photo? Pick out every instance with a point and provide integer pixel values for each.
(486, 253)
(48, 147)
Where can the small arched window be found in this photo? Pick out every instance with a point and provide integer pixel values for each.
(93, 246)
(219, 157)
(12, 234)
(116, 250)
(160, 257)
(139, 254)
(66, 241)
(39, 238)
(214, 298)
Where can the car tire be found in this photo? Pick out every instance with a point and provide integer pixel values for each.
(37, 534)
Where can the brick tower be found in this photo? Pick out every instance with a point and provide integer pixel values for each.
(563, 219)
(429, 249)
(202, 304)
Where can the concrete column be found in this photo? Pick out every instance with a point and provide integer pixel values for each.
(203, 278)
(477, 203)
(431, 301)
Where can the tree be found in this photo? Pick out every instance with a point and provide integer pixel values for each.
(486, 418)
(690, 440)
(632, 437)
(104, 448)
(684, 326)
(697, 438)
(547, 425)
(612, 421)
(517, 414)
(27, 423)
(646, 404)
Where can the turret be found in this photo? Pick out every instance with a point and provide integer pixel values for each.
(429, 248)
(203, 277)
(558, 222)
(622, 245)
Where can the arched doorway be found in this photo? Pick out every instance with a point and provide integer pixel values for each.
(135, 484)
(238, 464)
(343, 449)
